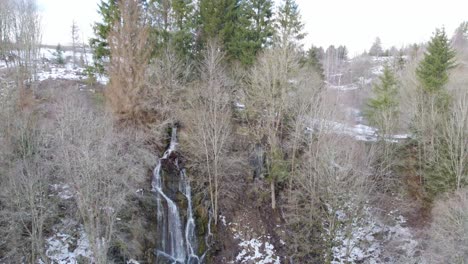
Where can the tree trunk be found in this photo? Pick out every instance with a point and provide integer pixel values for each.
(273, 195)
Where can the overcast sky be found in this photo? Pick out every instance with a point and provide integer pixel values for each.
(354, 23)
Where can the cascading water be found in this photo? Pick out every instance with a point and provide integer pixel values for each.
(178, 243)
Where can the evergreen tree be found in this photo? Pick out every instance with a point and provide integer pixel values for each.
(342, 53)
(59, 55)
(184, 16)
(433, 70)
(433, 111)
(382, 108)
(244, 27)
(313, 58)
(259, 27)
(173, 26)
(376, 48)
(400, 61)
(289, 25)
(221, 19)
(460, 38)
(108, 10)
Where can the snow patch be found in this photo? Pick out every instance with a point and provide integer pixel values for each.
(65, 248)
(371, 238)
(257, 251)
(253, 249)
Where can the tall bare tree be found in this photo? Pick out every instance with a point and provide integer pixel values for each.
(99, 166)
(210, 123)
(268, 102)
(75, 35)
(27, 40)
(128, 40)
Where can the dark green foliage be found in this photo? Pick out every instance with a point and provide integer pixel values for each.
(254, 32)
(400, 61)
(382, 108)
(342, 53)
(433, 75)
(108, 10)
(313, 58)
(173, 26)
(289, 25)
(438, 60)
(59, 55)
(229, 22)
(376, 49)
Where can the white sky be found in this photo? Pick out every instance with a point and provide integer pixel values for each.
(58, 16)
(354, 23)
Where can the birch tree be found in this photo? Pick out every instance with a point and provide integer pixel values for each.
(210, 123)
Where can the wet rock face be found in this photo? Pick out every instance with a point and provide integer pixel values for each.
(257, 160)
(170, 175)
(177, 234)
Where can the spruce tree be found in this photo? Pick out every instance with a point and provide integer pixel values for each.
(313, 59)
(108, 10)
(376, 48)
(173, 24)
(433, 70)
(433, 110)
(289, 25)
(382, 108)
(259, 28)
(59, 55)
(220, 20)
(184, 16)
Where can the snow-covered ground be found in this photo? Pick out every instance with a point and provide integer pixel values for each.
(359, 132)
(372, 241)
(67, 71)
(49, 69)
(69, 244)
(349, 87)
(253, 248)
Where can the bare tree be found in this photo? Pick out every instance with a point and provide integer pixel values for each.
(127, 92)
(307, 98)
(27, 40)
(6, 28)
(455, 134)
(268, 101)
(448, 235)
(25, 175)
(100, 166)
(210, 124)
(75, 40)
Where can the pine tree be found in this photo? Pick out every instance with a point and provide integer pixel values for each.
(313, 58)
(59, 55)
(289, 25)
(382, 108)
(433, 111)
(342, 53)
(376, 49)
(184, 16)
(261, 15)
(460, 38)
(260, 30)
(75, 40)
(173, 23)
(219, 19)
(109, 13)
(433, 70)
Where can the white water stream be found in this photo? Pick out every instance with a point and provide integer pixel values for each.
(177, 242)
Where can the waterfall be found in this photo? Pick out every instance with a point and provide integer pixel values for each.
(178, 243)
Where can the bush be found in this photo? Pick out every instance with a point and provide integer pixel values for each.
(448, 233)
